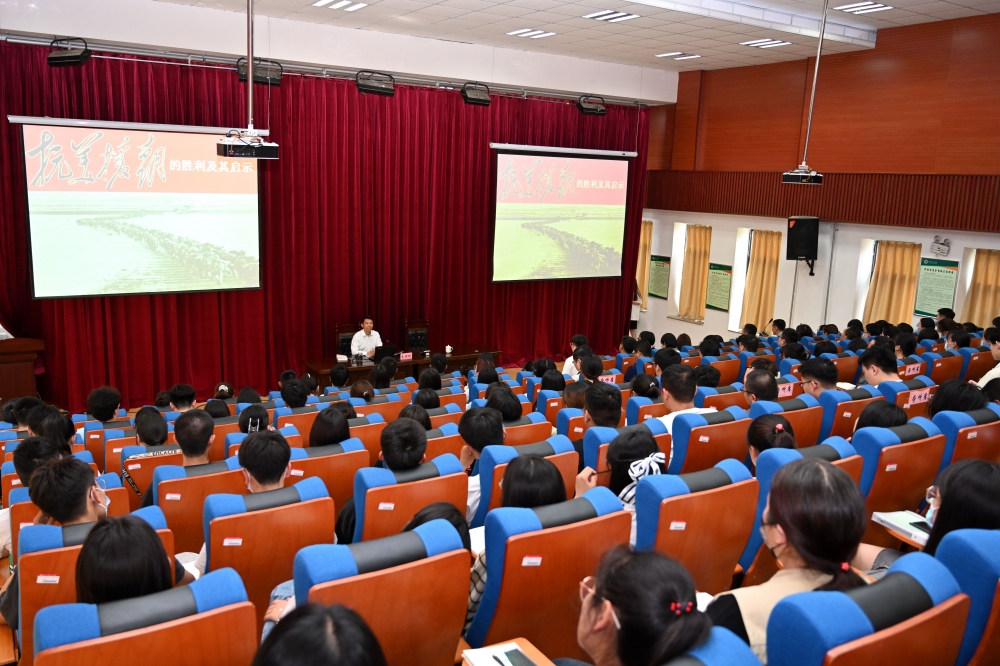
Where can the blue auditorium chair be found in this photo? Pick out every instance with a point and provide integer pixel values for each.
(804, 414)
(424, 571)
(974, 434)
(723, 648)
(701, 440)
(639, 409)
(841, 409)
(913, 395)
(597, 439)
(973, 558)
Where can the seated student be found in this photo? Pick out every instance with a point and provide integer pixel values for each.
(578, 354)
(664, 358)
(65, 493)
(484, 360)
(709, 347)
(182, 397)
(193, 431)
(103, 403)
(506, 403)
(441, 511)
(602, 406)
(946, 326)
(857, 345)
(403, 445)
(345, 408)
(794, 351)
(677, 387)
(573, 396)
(760, 385)
(479, 427)
(295, 393)
(418, 414)
(217, 409)
(36, 416)
(639, 610)
(777, 326)
(855, 323)
(750, 329)
(496, 387)
(945, 313)
(707, 376)
(683, 340)
(287, 376)
(439, 362)
(339, 375)
(252, 419)
(958, 339)
(31, 454)
(378, 376)
(488, 375)
(765, 364)
(314, 634)
(247, 395)
(873, 330)
(553, 380)
(649, 336)
(992, 391)
(853, 333)
(788, 336)
(59, 428)
(642, 349)
(122, 558)
(882, 341)
(748, 343)
(223, 391)
(151, 428)
(427, 398)
(632, 455)
(956, 396)
(162, 400)
(627, 345)
(813, 522)
(992, 338)
(530, 481)
(591, 367)
(329, 427)
(818, 375)
(575, 343)
(905, 345)
(805, 331)
(645, 386)
(541, 366)
(965, 498)
(878, 365)
(429, 379)
(890, 331)
(363, 389)
(7, 412)
(23, 407)
(831, 329)
(391, 366)
(881, 414)
(824, 347)
(668, 341)
(769, 431)
(312, 386)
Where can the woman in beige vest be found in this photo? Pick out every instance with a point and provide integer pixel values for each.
(812, 524)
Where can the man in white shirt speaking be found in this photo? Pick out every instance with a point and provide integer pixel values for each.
(366, 340)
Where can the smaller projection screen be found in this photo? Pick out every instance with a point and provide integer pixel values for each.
(558, 216)
(138, 212)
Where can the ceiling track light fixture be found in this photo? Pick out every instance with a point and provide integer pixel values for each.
(63, 54)
(591, 105)
(863, 8)
(476, 93)
(377, 83)
(265, 71)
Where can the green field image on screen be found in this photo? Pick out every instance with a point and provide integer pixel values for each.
(546, 241)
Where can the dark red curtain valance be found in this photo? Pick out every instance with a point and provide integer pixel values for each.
(377, 205)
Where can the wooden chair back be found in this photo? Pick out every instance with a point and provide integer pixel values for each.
(459, 399)
(980, 363)
(371, 436)
(707, 532)
(729, 369)
(528, 434)
(847, 368)
(988, 651)
(302, 422)
(261, 545)
(438, 446)
(389, 508)
(651, 411)
(48, 578)
(691, 361)
(806, 423)
(93, 440)
(709, 445)
(627, 363)
(904, 473)
(182, 502)
(552, 407)
(336, 471)
(217, 451)
(222, 637)
(937, 348)
(946, 368)
(912, 370)
(389, 410)
(435, 594)
(723, 400)
(542, 603)
(567, 464)
(932, 638)
(853, 465)
(916, 401)
(441, 419)
(113, 453)
(981, 441)
(7, 483)
(846, 414)
(141, 470)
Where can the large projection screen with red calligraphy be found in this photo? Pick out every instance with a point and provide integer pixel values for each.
(558, 216)
(137, 212)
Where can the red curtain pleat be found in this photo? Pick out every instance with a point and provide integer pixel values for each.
(378, 206)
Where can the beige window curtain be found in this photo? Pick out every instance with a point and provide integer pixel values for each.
(982, 303)
(642, 268)
(694, 279)
(893, 288)
(762, 277)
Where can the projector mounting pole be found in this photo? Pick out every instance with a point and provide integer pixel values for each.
(250, 68)
(812, 99)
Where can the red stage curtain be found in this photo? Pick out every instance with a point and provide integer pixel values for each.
(377, 206)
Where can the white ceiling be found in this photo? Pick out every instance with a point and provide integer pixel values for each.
(712, 29)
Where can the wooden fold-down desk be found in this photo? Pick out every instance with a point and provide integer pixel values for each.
(17, 367)
(459, 357)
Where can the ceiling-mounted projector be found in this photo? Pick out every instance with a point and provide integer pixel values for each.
(246, 144)
(375, 82)
(591, 105)
(65, 55)
(802, 176)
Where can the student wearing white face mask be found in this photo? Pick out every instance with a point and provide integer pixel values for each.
(65, 492)
(967, 496)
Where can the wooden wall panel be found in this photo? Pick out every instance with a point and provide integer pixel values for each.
(749, 117)
(661, 137)
(970, 203)
(686, 123)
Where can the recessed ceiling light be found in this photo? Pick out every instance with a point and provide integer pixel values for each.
(863, 8)
(354, 8)
(321, 3)
(765, 43)
(532, 33)
(342, 3)
(687, 57)
(600, 13)
(754, 42)
(611, 16)
(518, 32)
(773, 44)
(624, 18)
(672, 53)
(544, 34)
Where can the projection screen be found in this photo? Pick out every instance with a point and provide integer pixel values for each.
(136, 212)
(558, 216)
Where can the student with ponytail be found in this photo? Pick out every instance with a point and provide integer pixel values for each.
(363, 389)
(253, 419)
(813, 523)
(769, 431)
(639, 610)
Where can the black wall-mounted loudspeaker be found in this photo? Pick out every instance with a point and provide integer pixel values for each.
(803, 238)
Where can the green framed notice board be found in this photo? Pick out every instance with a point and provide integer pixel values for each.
(659, 276)
(936, 284)
(720, 278)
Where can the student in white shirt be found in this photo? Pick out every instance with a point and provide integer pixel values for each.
(677, 387)
(992, 337)
(366, 340)
(760, 385)
(569, 367)
(479, 428)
